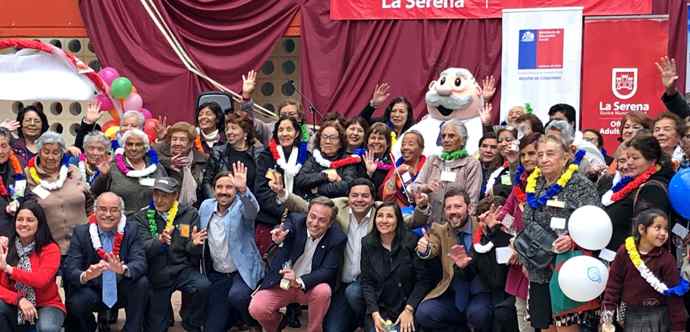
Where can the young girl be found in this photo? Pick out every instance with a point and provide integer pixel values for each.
(640, 278)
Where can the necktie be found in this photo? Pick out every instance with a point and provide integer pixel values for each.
(460, 286)
(109, 287)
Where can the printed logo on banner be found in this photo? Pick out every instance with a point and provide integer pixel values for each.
(540, 49)
(624, 82)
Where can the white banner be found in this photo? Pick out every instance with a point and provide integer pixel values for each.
(541, 59)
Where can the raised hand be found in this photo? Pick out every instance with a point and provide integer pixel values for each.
(669, 73)
(93, 112)
(421, 200)
(104, 165)
(459, 256)
(370, 163)
(239, 178)
(11, 125)
(248, 84)
(488, 218)
(423, 246)
(279, 234)
(199, 236)
(488, 87)
(485, 113)
(380, 95)
(162, 127)
(114, 263)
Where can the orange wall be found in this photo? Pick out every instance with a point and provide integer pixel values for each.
(58, 18)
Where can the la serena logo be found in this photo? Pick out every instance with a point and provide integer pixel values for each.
(422, 4)
(624, 83)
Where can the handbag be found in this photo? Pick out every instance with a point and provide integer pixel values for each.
(534, 245)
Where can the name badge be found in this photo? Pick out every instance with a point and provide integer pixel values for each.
(555, 203)
(607, 255)
(507, 220)
(41, 192)
(184, 230)
(147, 182)
(505, 180)
(680, 230)
(448, 176)
(503, 255)
(557, 223)
(406, 177)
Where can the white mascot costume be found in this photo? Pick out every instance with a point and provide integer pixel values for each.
(455, 95)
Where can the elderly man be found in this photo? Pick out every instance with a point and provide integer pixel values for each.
(231, 259)
(105, 267)
(460, 297)
(182, 162)
(173, 245)
(304, 269)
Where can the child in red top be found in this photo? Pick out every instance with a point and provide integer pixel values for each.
(29, 261)
(639, 300)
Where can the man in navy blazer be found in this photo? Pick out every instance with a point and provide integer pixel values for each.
(304, 268)
(105, 267)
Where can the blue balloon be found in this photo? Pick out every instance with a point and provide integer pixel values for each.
(679, 191)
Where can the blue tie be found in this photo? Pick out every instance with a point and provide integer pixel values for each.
(460, 286)
(109, 287)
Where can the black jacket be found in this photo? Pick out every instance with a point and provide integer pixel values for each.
(166, 262)
(83, 130)
(326, 260)
(393, 279)
(6, 220)
(311, 181)
(271, 210)
(676, 104)
(81, 255)
(198, 167)
(221, 159)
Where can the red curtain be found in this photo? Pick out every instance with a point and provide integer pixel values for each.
(224, 38)
(677, 36)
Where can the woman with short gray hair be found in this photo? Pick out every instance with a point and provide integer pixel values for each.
(132, 172)
(58, 187)
(453, 165)
(96, 156)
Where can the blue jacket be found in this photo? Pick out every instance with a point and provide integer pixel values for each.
(324, 264)
(239, 225)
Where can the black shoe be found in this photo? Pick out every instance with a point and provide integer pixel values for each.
(103, 324)
(112, 315)
(293, 312)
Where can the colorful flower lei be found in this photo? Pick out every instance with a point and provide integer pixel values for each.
(276, 153)
(96, 240)
(492, 177)
(18, 176)
(618, 192)
(454, 155)
(553, 189)
(54, 185)
(334, 164)
(517, 184)
(151, 218)
(122, 166)
(648, 276)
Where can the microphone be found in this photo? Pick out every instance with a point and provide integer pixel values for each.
(310, 105)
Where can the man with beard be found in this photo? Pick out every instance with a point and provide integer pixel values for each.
(355, 218)
(230, 257)
(460, 298)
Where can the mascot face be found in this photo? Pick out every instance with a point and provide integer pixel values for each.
(455, 95)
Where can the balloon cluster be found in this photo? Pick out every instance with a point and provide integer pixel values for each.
(122, 97)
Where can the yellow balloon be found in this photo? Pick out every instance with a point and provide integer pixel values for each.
(111, 133)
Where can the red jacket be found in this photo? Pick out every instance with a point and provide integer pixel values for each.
(44, 268)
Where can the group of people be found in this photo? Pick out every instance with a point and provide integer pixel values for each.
(246, 218)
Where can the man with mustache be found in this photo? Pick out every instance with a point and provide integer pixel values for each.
(105, 267)
(460, 298)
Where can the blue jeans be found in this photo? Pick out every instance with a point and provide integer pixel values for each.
(49, 319)
(228, 301)
(347, 309)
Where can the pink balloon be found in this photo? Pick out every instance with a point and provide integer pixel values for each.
(106, 103)
(133, 102)
(147, 114)
(108, 74)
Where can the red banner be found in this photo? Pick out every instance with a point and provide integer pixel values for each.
(619, 74)
(455, 9)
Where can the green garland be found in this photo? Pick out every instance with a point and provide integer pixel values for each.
(151, 217)
(454, 155)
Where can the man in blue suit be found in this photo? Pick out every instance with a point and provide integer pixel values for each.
(105, 267)
(304, 269)
(230, 258)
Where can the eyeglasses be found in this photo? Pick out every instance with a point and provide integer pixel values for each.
(106, 210)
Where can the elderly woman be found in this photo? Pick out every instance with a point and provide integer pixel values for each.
(329, 170)
(182, 162)
(29, 263)
(454, 165)
(668, 130)
(553, 191)
(529, 123)
(500, 181)
(513, 114)
(129, 120)
(279, 164)
(96, 156)
(397, 116)
(32, 124)
(377, 157)
(394, 279)
(132, 172)
(58, 187)
(210, 122)
(12, 182)
(356, 130)
(407, 167)
(240, 146)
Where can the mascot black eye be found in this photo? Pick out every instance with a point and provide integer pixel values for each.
(458, 81)
(443, 80)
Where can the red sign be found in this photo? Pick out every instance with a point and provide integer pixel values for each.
(449, 9)
(619, 74)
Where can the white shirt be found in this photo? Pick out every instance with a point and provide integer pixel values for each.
(353, 251)
(218, 245)
(302, 265)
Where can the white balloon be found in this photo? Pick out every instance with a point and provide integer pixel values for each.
(583, 278)
(590, 227)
